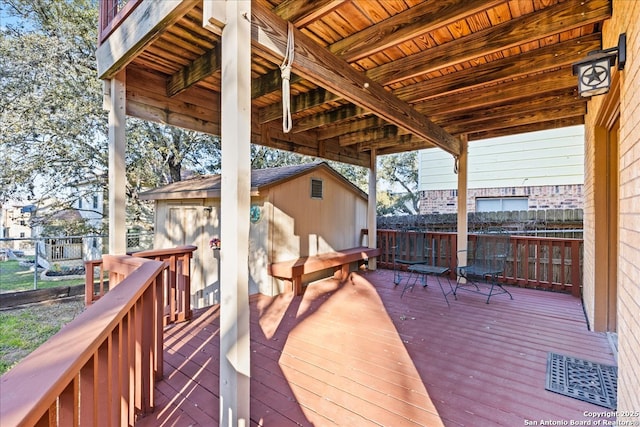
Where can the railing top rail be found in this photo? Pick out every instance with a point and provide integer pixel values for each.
(513, 235)
(29, 387)
(179, 250)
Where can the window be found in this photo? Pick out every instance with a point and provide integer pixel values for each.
(502, 204)
(95, 201)
(316, 188)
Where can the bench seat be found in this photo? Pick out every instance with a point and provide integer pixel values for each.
(293, 270)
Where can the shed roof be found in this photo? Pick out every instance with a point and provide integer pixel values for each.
(208, 186)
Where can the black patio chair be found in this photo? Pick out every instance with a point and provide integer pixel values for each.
(485, 263)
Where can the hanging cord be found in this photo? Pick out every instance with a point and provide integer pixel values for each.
(456, 164)
(285, 68)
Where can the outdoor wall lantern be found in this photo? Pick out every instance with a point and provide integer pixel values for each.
(594, 72)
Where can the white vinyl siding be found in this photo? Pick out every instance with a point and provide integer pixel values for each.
(553, 157)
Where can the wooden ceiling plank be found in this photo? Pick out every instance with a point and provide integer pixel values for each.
(299, 103)
(533, 116)
(411, 145)
(341, 128)
(533, 127)
(141, 28)
(551, 20)
(539, 102)
(533, 61)
(499, 94)
(200, 68)
(336, 115)
(320, 66)
(304, 12)
(411, 23)
(368, 135)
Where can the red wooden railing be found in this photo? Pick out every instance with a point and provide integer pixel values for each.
(539, 262)
(112, 13)
(101, 368)
(177, 289)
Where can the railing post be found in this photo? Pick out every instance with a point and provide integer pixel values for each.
(575, 268)
(88, 283)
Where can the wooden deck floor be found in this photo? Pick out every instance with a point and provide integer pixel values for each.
(356, 354)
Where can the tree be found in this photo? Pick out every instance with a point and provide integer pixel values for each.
(400, 172)
(53, 128)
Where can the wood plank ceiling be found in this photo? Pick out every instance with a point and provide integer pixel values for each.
(407, 74)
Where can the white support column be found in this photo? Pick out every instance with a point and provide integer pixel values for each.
(371, 208)
(234, 215)
(463, 227)
(116, 103)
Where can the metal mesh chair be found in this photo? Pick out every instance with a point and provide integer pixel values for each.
(484, 263)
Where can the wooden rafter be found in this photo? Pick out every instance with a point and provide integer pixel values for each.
(325, 69)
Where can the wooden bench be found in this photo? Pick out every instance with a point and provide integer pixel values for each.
(293, 270)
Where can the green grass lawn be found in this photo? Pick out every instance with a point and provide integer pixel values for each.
(14, 277)
(25, 328)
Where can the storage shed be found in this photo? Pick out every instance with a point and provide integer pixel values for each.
(296, 211)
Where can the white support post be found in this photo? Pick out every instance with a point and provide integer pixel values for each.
(463, 227)
(117, 174)
(372, 238)
(234, 215)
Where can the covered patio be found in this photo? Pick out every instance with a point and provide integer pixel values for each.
(368, 78)
(356, 353)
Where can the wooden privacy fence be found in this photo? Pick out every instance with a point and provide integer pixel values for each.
(101, 368)
(538, 262)
(177, 288)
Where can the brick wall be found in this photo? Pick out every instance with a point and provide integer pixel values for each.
(625, 19)
(540, 197)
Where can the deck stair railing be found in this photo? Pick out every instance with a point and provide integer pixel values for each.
(177, 283)
(101, 368)
(550, 263)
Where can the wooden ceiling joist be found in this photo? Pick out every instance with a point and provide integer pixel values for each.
(530, 27)
(317, 64)
(367, 75)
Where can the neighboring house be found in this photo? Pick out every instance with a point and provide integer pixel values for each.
(538, 170)
(15, 221)
(295, 211)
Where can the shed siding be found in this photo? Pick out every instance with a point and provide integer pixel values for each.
(554, 157)
(305, 226)
(626, 18)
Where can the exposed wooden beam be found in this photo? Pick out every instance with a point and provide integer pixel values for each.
(510, 67)
(534, 26)
(407, 143)
(197, 109)
(533, 61)
(318, 65)
(338, 129)
(271, 135)
(499, 94)
(301, 102)
(533, 127)
(304, 12)
(384, 132)
(191, 74)
(397, 29)
(337, 115)
(407, 25)
(533, 116)
(521, 106)
(141, 28)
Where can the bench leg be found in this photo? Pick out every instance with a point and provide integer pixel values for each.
(344, 272)
(296, 285)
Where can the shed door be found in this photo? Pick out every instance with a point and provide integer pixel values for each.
(184, 227)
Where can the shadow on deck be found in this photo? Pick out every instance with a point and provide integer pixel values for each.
(357, 354)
